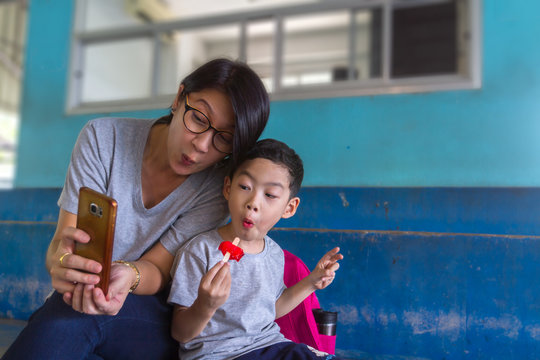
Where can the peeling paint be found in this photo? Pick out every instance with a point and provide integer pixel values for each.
(533, 331)
(449, 325)
(347, 314)
(508, 324)
(452, 325)
(21, 297)
(344, 201)
(368, 314)
(385, 319)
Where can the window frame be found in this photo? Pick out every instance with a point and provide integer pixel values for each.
(384, 84)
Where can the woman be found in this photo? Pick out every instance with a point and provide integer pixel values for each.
(166, 176)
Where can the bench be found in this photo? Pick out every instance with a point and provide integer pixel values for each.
(441, 274)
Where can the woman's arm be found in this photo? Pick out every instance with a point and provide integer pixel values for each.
(155, 270)
(214, 290)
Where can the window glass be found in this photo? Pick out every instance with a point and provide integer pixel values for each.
(103, 14)
(183, 51)
(424, 40)
(13, 15)
(117, 70)
(312, 49)
(110, 14)
(315, 49)
(260, 50)
(8, 136)
(368, 44)
(185, 9)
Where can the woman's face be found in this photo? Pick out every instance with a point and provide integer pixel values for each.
(188, 152)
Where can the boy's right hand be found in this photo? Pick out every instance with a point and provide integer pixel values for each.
(325, 270)
(215, 287)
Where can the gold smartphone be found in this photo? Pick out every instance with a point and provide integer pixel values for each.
(97, 217)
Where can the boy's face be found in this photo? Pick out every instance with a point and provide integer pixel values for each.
(258, 197)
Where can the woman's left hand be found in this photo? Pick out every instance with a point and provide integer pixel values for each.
(89, 299)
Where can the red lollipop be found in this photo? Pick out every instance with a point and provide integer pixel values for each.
(231, 250)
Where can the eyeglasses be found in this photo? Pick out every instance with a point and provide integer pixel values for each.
(196, 122)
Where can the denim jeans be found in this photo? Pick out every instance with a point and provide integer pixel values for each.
(141, 330)
(287, 351)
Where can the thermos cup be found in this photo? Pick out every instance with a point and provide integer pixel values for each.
(326, 321)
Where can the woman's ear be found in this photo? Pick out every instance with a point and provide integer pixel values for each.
(178, 99)
(291, 207)
(227, 188)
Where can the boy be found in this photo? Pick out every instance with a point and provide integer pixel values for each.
(231, 313)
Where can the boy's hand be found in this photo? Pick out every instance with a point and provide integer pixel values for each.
(326, 268)
(215, 287)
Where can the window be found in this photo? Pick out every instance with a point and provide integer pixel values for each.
(135, 55)
(12, 44)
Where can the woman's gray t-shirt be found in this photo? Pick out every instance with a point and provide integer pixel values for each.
(108, 158)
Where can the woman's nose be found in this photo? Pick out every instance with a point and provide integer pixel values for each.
(203, 141)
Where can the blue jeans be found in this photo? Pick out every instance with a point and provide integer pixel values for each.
(287, 351)
(141, 330)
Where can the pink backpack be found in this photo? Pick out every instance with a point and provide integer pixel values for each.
(299, 325)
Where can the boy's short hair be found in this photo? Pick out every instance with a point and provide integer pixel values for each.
(279, 153)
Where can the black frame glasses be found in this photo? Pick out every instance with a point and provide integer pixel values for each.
(199, 123)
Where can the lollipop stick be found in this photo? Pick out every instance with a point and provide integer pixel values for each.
(228, 254)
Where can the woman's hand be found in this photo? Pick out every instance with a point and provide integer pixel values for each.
(66, 268)
(89, 299)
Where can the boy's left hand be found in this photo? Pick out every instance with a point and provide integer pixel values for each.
(326, 268)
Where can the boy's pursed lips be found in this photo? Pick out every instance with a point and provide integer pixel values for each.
(247, 223)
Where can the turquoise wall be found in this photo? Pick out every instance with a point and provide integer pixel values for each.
(484, 137)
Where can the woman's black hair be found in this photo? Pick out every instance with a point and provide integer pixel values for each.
(246, 91)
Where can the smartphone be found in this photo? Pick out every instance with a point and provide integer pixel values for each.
(97, 217)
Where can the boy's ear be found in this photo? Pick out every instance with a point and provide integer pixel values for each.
(291, 207)
(227, 187)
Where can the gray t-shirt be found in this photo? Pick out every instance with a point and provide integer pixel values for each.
(246, 321)
(108, 157)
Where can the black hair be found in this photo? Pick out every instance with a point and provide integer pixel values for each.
(246, 91)
(279, 153)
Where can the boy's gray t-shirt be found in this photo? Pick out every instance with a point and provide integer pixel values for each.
(108, 158)
(246, 321)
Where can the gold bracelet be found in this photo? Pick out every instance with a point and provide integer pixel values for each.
(137, 272)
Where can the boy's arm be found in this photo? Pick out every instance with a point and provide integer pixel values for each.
(319, 278)
(188, 322)
(214, 289)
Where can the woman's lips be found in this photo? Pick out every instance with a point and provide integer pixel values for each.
(186, 160)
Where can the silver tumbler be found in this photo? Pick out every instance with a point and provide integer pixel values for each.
(326, 321)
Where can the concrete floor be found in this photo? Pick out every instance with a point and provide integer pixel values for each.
(9, 329)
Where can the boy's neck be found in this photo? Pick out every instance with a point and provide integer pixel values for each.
(250, 246)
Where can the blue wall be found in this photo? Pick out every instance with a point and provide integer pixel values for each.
(484, 137)
(407, 185)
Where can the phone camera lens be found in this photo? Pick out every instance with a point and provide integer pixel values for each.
(96, 210)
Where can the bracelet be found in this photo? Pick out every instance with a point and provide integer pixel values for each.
(137, 273)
